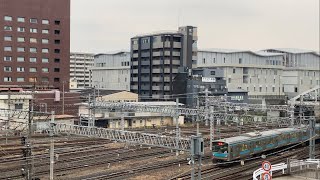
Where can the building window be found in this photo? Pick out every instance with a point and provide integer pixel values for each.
(273, 89)
(33, 20)
(7, 69)
(20, 19)
(7, 79)
(260, 89)
(45, 50)
(45, 41)
(20, 29)
(214, 60)
(33, 30)
(213, 73)
(204, 60)
(45, 60)
(7, 18)
(295, 89)
(33, 50)
(33, 40)
(33, 79)
(33, 69)
(57, 51)
(8, 28)
(45, 31)
(254, 89)
(229, 80)
(56, 69)
(20, 59)
(33, 59)
(240, 61)
(224, 60)
(7, 38)
(45, 21)
(45, 79)
(20, 39)
(311, 81)
(20, 69)
(301, 81)
(45, 70)
(56, 79)
(56, 31)
(57, 22)
(20, 49)
(18, 106)
(20, 79)
(7, 48)
(7, 58)
(57, 41)
(234, 71)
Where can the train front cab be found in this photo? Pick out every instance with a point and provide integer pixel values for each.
(220, 151)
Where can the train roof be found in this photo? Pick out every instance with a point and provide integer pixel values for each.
(257, 135)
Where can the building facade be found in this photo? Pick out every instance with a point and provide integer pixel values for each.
(259, 73)
(191, 84)
(156, 57)
(301, 72)
(111, 71)
(35, 45)
(80, 64)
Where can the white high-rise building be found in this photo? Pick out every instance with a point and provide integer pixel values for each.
(79, 70)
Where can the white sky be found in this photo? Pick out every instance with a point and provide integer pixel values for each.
(99, 26)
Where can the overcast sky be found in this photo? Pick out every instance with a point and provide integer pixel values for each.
(99, 26)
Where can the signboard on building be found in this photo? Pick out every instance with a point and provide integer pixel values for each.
(208, 79)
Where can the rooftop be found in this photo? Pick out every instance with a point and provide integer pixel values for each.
(230, 51)
(157, 33)
(291, 50)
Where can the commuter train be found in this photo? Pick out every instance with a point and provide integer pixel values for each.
(254, 143)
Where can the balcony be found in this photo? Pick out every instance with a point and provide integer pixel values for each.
(166, 79)
(157, 71)
(145, 71)
(145, 63)
(176, 45)
(156, 54)
(156, 96)
(167, 61)
(167, 53)
(175, 53)
(145, 87)
(134, 79)
(135, 71)
(135, 47)
(145, 79)
(157, 62)
(167, 44)
(135, 55)
(157, 79)
(166, 88)
(134, 87)
(174, 70)
(135, 63)
(166, 70)
(157, 88)
(176, 62)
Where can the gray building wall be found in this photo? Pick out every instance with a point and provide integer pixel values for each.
(111, 71)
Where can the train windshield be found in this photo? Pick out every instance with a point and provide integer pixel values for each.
(220, 147)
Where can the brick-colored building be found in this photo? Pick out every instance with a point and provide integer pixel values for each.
(35, 43)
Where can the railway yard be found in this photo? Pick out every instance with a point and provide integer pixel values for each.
(90, 158)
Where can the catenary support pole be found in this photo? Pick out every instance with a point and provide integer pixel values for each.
(177, 127)
(51, 145)
(312, 124)
(206, 107)
(211, 126)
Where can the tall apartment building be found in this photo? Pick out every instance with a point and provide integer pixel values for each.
(80, 63)
(265, 73)
(35, 45)
(111, 71)
(156, 57)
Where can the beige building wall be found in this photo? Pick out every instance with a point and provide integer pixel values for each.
(123, 96)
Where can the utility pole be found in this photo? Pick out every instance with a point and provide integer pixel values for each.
(51, 145)
(94, 108)
(9, 115)
(63, 97)
(300, 109)
(291, 112)
(211, 126)
(198, 118)
(206, 107)
(27, 170)
(177, 126)
(312, 143)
